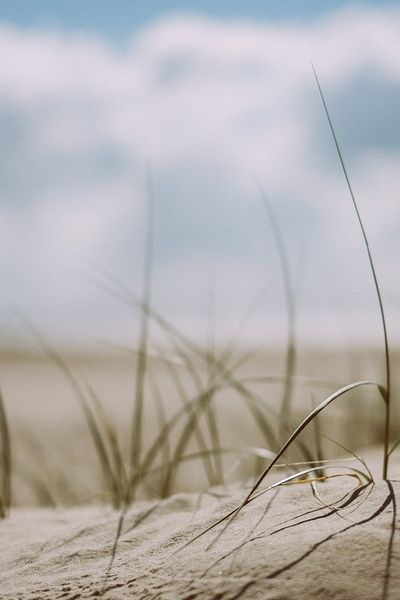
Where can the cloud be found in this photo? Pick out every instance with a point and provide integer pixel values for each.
(211, 104)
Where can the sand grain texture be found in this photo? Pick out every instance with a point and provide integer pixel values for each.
(295, 547)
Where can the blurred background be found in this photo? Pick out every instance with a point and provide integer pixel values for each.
(213, 95)
(215, 100)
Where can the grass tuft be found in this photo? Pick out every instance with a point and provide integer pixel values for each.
(254, 491)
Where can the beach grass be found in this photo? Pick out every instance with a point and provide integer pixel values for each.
(204, 382)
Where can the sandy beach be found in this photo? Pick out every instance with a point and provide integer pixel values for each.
(288, 543)
(200, 308)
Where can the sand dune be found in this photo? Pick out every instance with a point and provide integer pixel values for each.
(285, 544)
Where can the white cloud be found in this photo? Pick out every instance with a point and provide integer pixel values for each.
(209, 103)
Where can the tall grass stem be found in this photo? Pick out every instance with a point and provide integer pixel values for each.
(375, 278)
(137, 417)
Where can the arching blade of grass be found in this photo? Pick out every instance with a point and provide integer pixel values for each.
(306, 421)
(299, 477)
(356, 458)
(137, 417)
(288, 522)
(386, 452)
(5, 462)
(290, 362)
(353, 454)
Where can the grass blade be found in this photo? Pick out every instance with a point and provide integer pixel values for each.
(299, 477)
(308, 419)
(137, 417)
(290, 362)
(116, 459)
(376, 284)
(161, 416)
(5, 462)
(192, 426)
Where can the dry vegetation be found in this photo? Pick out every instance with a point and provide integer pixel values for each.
(192, 430)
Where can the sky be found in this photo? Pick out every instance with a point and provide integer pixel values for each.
(208, 107)
(117, 20)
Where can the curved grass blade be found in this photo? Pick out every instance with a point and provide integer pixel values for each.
(308, 419)
(300, 476)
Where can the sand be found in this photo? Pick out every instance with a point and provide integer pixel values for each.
(286, 544)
